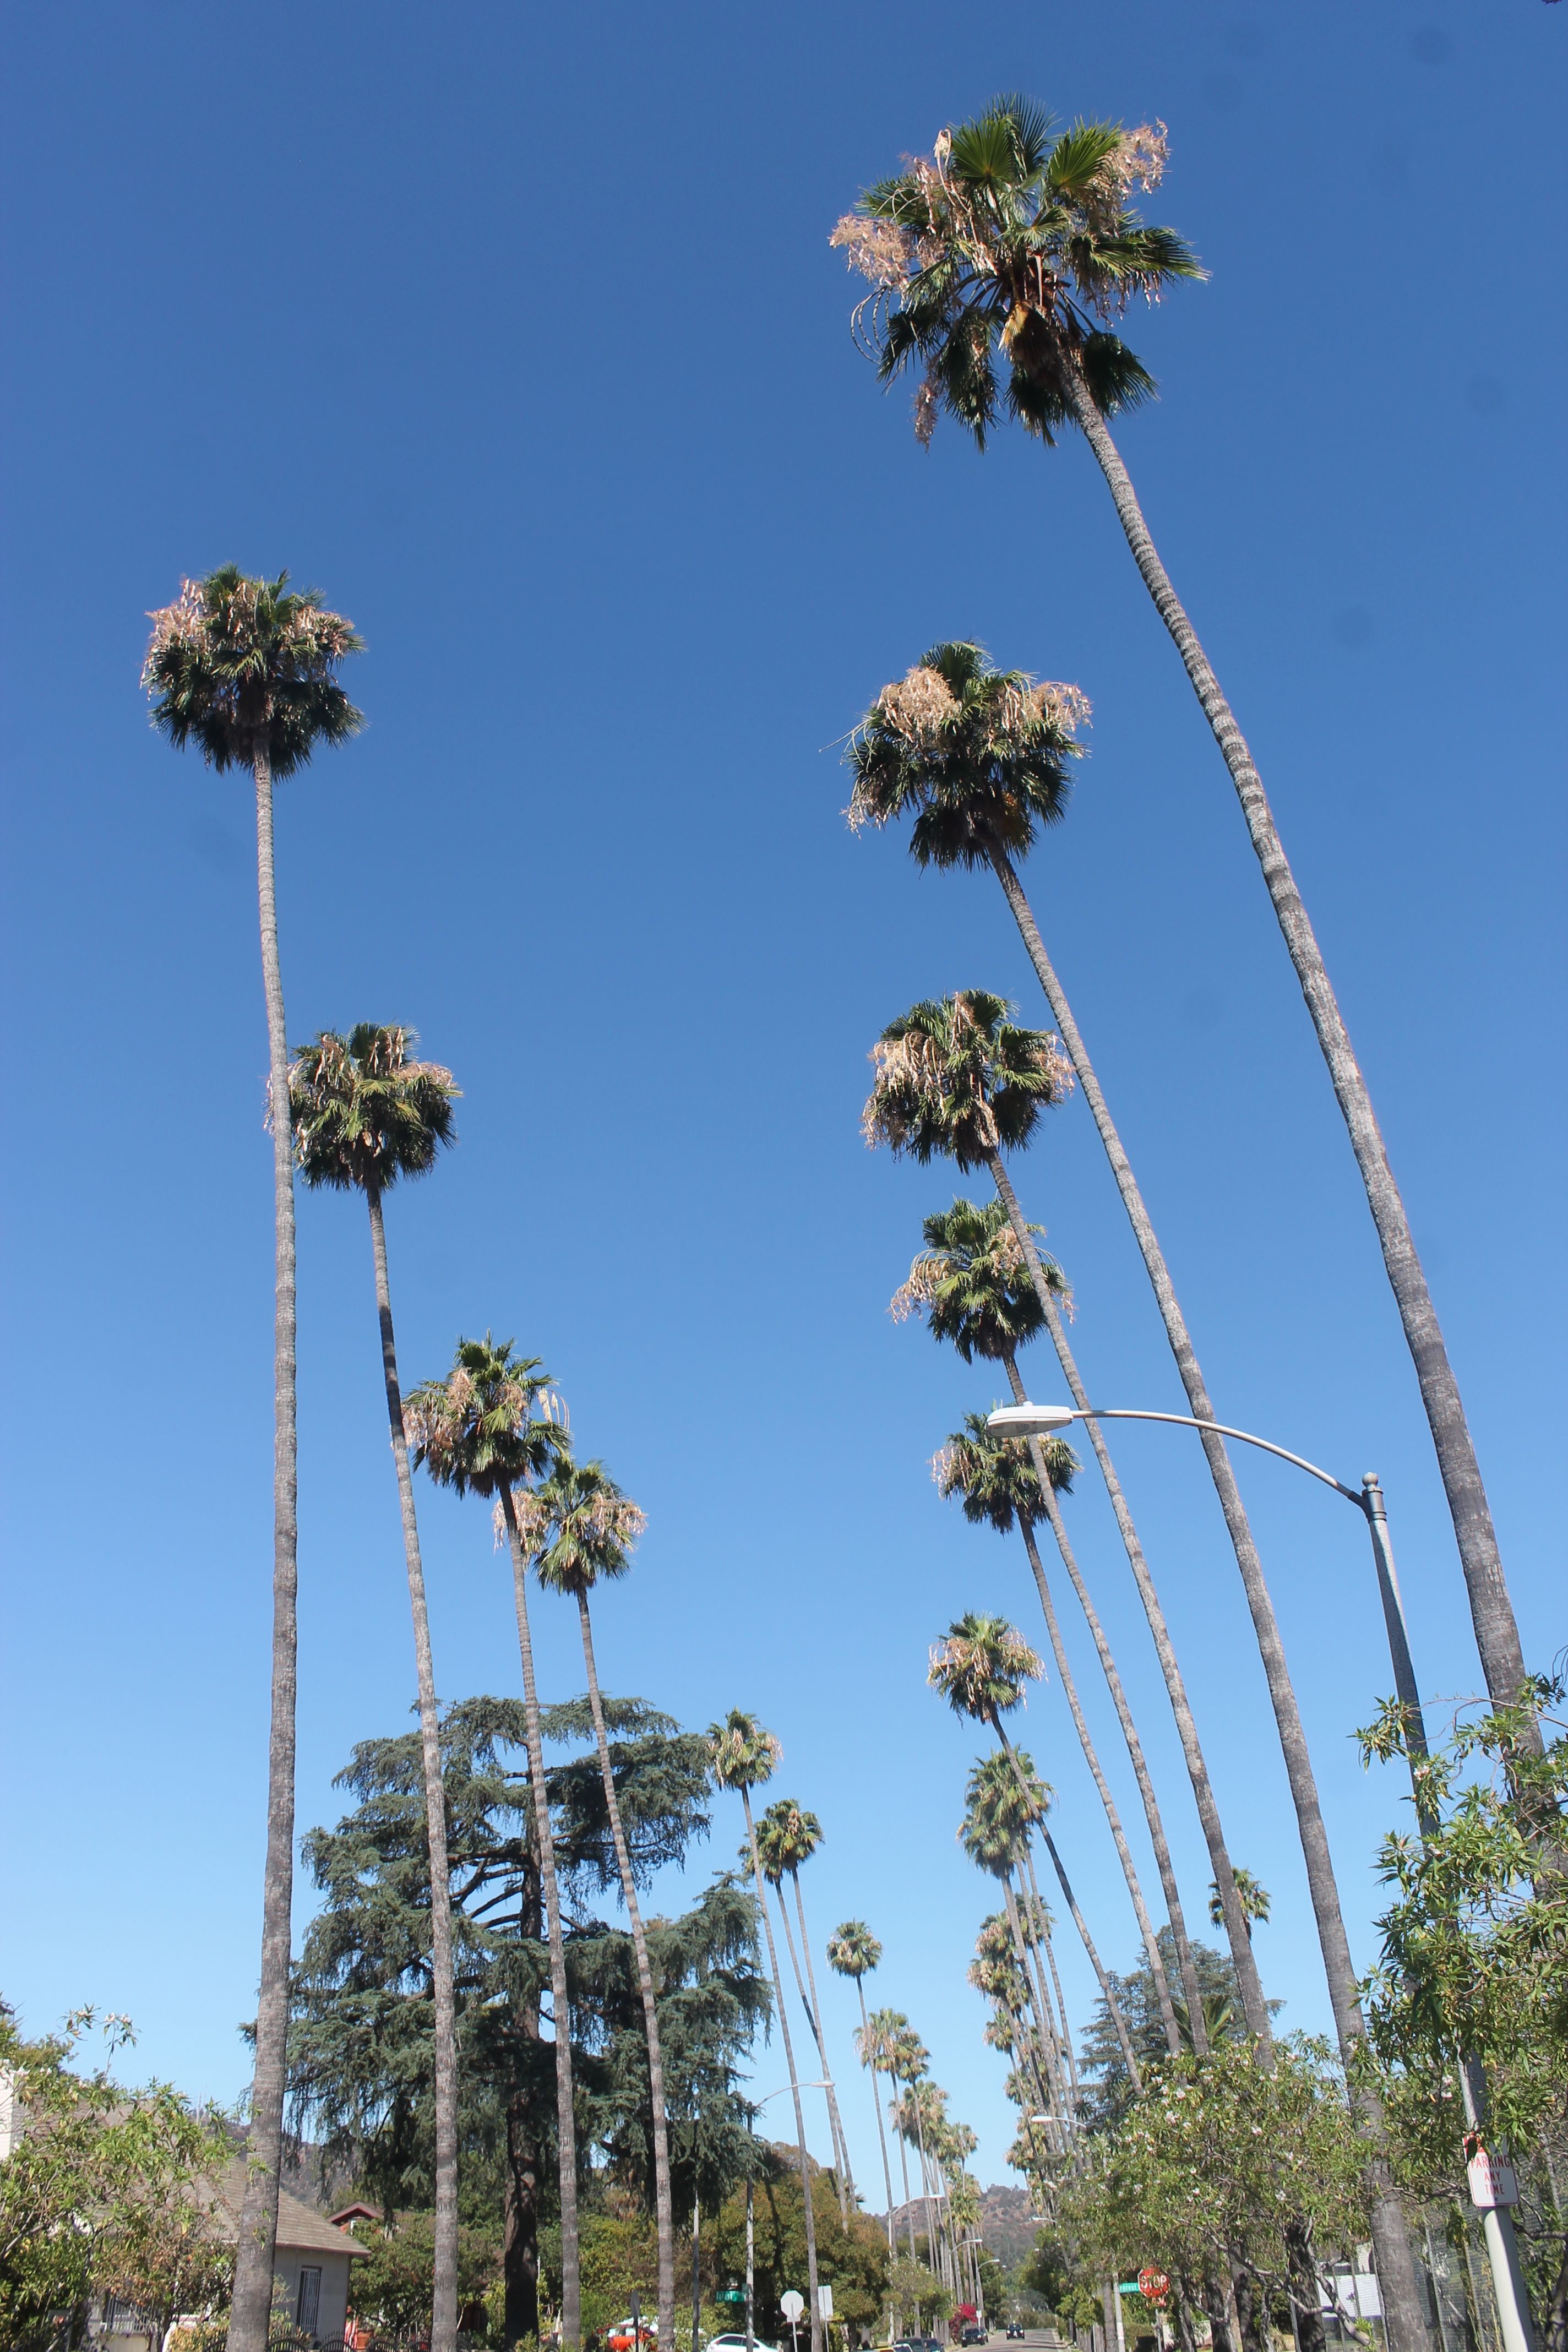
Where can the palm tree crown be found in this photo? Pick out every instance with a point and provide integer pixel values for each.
(246, 667)
(365, 1112)
(971, 1283)
(1007, 1795)
(1009, 250)
(579, 1526)
(788, 1837)
(955, 1077)
(979, 755)
(1251, 1894)
(982, 1665)
(491, 1422)
(853, 1950)
(995, 1477)
(744, 1752)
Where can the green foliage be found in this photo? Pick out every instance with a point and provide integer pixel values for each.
(956, 1079)
(578, 1527)
(490, 1425)
(995, 1477)
(1475, 1960)
(1104, 2069)
(997, 263)
(101, 2195)
(972, 1286)
(852, 2259)
(1208, 2165)
(981, 1666)
(365, 1111)
(247, 668)
(978, 756)
(392, 2287)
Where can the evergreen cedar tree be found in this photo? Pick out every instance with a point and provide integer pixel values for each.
(245, 670)
(361, 2036)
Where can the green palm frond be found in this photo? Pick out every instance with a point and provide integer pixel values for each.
(1001, 257)
(955, 1079)
(365, 1111)
(491, 1422)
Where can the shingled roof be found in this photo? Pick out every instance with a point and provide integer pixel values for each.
(300, 2227)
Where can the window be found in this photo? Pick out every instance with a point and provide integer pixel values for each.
(308, 2309)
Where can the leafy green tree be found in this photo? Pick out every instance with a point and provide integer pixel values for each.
(957, 1078)
(246, 670)
(850, 2254)
(744, 1755)
(361, 2047)
(1474, 1959)
(1011, 253)
(787, 1837)
(1209, 2160)
(996, 1480)
(853, 1951)
(480, 1430)
(394, 2288)
(578, 1528)
(366, 1113)
(1109, 2087)
(102, 2191)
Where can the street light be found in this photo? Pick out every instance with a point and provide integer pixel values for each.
(1037, 1421)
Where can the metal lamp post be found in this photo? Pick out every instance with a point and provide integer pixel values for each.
(1497, 2218)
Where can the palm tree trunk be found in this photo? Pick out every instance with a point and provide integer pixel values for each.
(810, 2008)
(1254, 2006)
(1130, 1734)
(444, 2312)
(1070, 1688)
(252, 2306)
(1492, 1612)
(1113, 2007)
(904, 2170)
(1056, 1979)
(845, 2179)
(926, 2178)
(810, 2214)
(565, 2120)
(1039, 2054)
(663, 2207)
(1396, 2268)
(877, 2098)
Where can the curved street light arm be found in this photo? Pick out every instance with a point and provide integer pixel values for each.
(1223, 1429)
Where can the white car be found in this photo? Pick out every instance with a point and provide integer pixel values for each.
(734, 2340)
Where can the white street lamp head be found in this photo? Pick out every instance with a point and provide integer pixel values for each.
(1030, 1420)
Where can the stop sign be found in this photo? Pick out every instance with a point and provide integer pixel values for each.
(1153, 2284)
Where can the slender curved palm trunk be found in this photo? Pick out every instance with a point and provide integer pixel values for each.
(1038, 2054)
(1151, 1814)
(444, 2312)
(1254, 2006)
(1492, 1612)
(1113, 2006)
(664, 2207)
(565, 2119)
(252, 2306)
(809, 2214)
(845, 2177)
(1037, 1937)
(1403, 2303)
(876, 2101)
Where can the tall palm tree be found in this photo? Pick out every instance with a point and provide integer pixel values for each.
(1000, 1488)
(976, 1291)
(787, 1837)
(910, 2058)
(994, 1849)
(1010, 247)
(980, 759)
(853, 1951)
(956, 1078)
(745, 1756)
(579, 1527)
(365, 1114)
(981, 1667)
(886, 2028)
(1016, 1798)
(247, 670)
(488, 1429)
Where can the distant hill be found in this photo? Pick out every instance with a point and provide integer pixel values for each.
(1007, 2225)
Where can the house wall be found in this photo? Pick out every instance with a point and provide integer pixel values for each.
(335, 2303)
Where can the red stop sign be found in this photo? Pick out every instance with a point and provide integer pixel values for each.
(1153, 2284)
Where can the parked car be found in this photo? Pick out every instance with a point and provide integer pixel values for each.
(734, 2340)
(973, 2335)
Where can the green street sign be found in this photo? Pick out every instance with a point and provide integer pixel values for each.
(730, 2295)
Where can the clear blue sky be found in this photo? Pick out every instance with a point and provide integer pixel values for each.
(518, 332)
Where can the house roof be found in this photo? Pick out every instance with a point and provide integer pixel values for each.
(356, 2212)
(300, 2229)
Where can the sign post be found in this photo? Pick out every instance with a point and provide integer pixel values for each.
(792, 2305)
